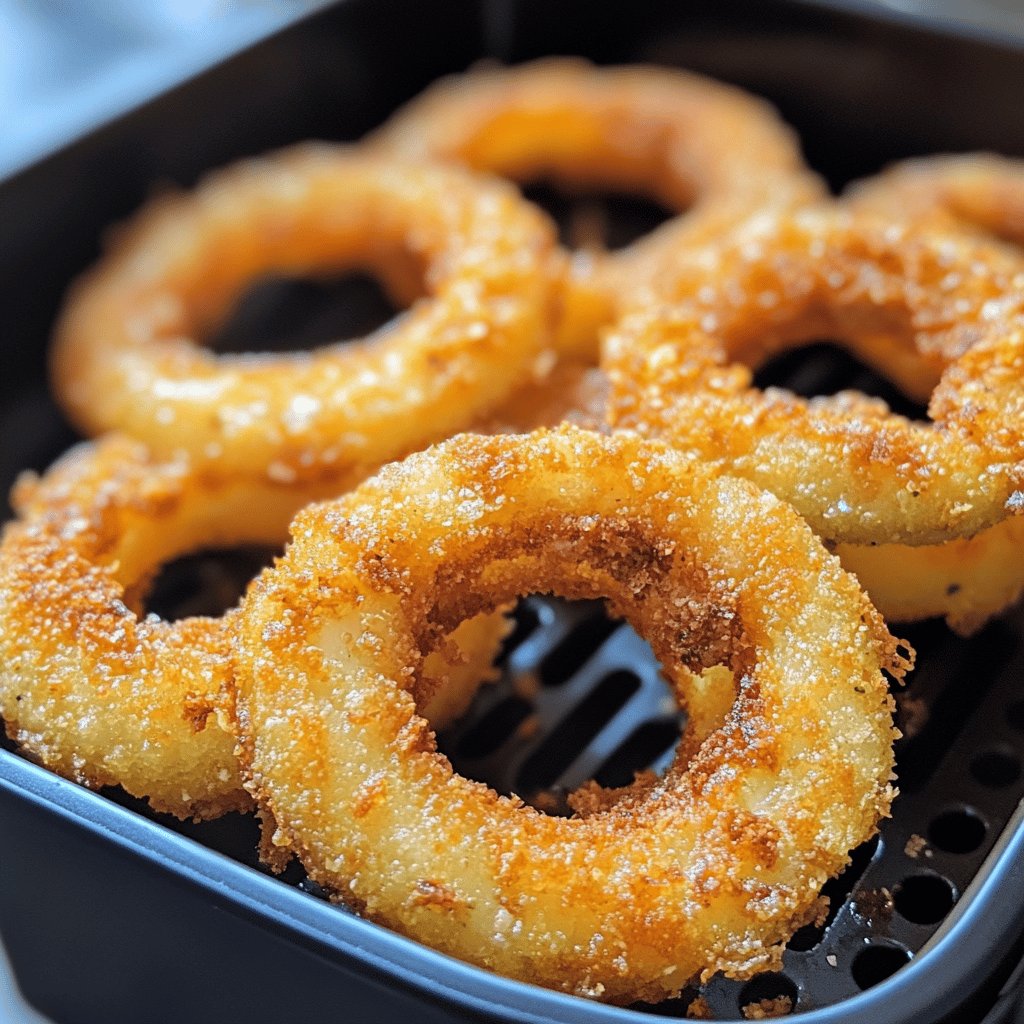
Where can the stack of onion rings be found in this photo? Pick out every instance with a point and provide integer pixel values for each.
(103, 694)
(966, 580)
(705, 149)
(376, 627)
(710, 868)
(943, 305)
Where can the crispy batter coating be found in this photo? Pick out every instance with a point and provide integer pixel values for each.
(711, 867)
(967, 580)
(88, 686)
(982, 191)
(127, 352)
(705, 149)
(102, 693)
(938, 305)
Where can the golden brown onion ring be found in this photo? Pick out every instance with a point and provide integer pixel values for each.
(858, 473)
(977, 190)
(98, 691)
(966, 581)
(705, 149)
(711, 867)
(126, 353)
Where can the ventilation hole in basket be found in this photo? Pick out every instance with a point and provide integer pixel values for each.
(996, 769)
(838, 891)
(583, 641)
(597, 219)
(279, 314)
(206, 583)
(565, 742)
(924, 898)
(644, 745)
(494, 728)
(1015, 715)
(823, 368)
(957, 831)
(876, 962)
(768, 995)
(526, 620)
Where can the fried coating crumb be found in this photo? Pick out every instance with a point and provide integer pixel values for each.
(699, 1010)
(768, 1009)
(875, 905)
(917, 846)
(912, 714)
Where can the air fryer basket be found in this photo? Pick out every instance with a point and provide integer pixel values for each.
(99, 880)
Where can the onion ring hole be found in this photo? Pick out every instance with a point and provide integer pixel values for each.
(598, 219)
(290, 314)
(118, 582)
(478, 257)
(823, 368)
(330, 645)
(207, 582)
(580, 700)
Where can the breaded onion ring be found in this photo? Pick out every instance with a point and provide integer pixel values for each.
(977, 190)
(711, 867)
(858, 473)
(705, 149)
(101, 693)
(966, 581)
(126, 354)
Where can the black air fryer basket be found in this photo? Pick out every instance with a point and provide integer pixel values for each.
(111, 913)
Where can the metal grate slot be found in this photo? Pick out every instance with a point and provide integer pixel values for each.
(837, 890)
(648, 745)
(562, 745)
(579, 643)
(494, 728)
(950, 683)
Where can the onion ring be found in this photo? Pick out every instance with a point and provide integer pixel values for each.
(710, 868)
(966, 581)
(982, 191)
(858, 473)
(695, 144)
(102, 694)
(125, 354)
